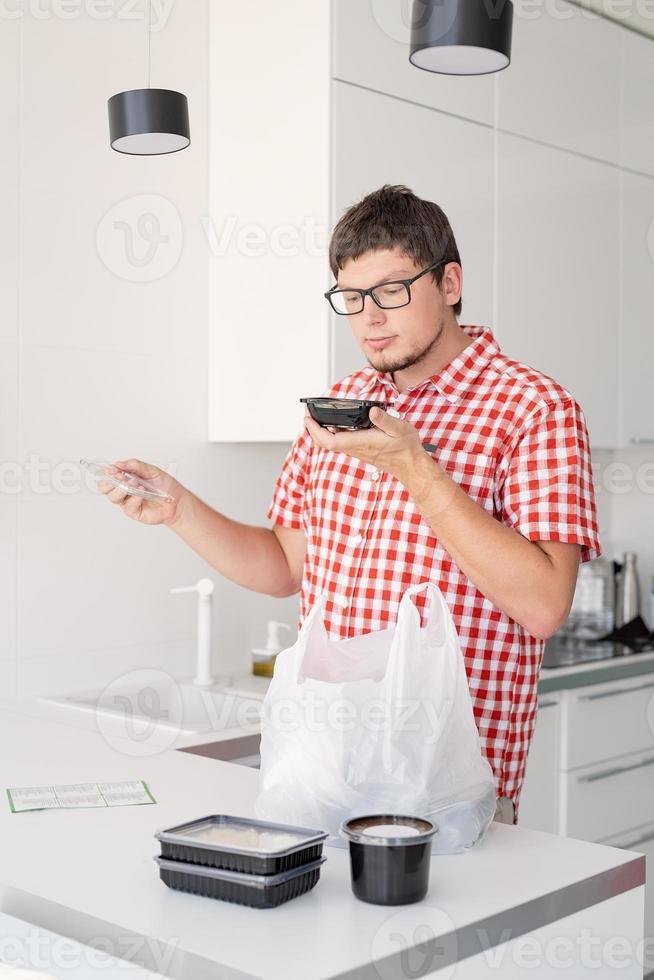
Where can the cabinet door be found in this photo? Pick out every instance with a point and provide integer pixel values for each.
(269, 214)
(380, 140)
(563, 85)
(371, 48)
(637, 102)
(637, 335)
(558, 260)
(539, 797)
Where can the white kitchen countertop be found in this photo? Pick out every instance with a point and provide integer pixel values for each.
(595, 672)
(89, 873)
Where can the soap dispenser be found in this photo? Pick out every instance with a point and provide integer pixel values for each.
(263, 658)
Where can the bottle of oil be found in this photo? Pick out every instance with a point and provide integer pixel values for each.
(627, 589)
(263, 658)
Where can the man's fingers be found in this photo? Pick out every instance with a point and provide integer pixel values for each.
(116, 495)
(139, 468)
(132, 506)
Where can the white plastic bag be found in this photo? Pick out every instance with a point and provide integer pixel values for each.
(379, 723)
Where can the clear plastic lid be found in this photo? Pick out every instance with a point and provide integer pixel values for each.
(238, 834)
(129, 483)
(388, 829)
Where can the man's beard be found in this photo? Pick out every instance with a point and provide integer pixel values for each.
(402, 363)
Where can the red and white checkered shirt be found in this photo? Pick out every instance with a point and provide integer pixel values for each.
(517, 443)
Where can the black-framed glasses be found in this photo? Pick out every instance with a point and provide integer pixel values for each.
(387, 295)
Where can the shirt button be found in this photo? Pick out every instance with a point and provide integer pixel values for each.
(374, 475)
(340, 600)
(357, 539)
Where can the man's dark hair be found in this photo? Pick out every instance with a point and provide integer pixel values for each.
(395, 216)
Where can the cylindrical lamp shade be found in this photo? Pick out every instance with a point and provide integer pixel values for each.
(147, 121)
(461, 37)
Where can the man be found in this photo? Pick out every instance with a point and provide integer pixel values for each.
(498, 514)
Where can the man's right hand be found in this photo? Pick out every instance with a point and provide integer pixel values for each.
(141, 509)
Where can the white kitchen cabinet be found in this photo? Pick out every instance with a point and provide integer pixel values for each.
(419, 155)
(558, 257)
(590, 768)
(637, 151)
(539, 802)
(528, 171)
(563, 84)
(609, 798)
(607, 721)
(637, 306)
(267, 230)
(371, 49)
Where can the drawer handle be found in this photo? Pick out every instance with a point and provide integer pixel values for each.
(635, 843)
(616, 771)
(546, 704)
(612, 694)
(637, 441)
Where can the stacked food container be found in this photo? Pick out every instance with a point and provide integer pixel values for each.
(250, 862)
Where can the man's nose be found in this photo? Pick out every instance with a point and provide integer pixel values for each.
(372, 313)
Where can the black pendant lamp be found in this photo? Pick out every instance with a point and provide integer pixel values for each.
(461, 37)
(148, 121)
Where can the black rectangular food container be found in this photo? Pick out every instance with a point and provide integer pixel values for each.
(342, 413)
(240, 844)
(257, 891)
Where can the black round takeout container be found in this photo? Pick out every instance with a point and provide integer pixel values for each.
(342, 413)
(387, 869)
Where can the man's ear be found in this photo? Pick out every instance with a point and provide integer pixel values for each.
(452, 283)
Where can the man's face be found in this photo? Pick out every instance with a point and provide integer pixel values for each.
(413, 330)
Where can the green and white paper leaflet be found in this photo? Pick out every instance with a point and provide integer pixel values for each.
(130, 792)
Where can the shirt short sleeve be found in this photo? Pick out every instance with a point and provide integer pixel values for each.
(547, 492)
(287, 503)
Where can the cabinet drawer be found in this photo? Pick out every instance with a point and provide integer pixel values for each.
(609, 720)
(609, 799)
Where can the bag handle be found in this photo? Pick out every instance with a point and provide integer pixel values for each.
(408, 620)
(436, 611)
(315, 613)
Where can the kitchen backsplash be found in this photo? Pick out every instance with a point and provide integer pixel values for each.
(624, 487)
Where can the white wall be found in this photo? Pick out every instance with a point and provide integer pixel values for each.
(95, 365)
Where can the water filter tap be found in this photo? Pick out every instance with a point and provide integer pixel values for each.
(273, 642)
(204, 588)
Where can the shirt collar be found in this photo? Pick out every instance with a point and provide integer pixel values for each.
(457, 376)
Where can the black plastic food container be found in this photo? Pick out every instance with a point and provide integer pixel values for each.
(342, 413)
(257, 891)
(240, 844)
(389, 857)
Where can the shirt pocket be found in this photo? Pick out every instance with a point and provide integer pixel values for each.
(474, 472)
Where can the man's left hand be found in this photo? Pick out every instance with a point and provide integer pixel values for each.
(392, 445)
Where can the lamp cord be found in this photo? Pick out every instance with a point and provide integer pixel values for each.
(149, 36)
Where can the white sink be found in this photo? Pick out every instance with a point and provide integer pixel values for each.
(154, 699)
